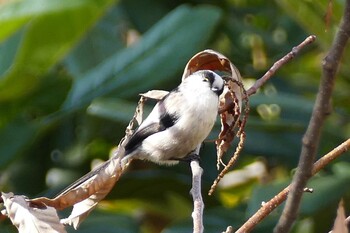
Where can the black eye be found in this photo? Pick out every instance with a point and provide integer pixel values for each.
(205, 79)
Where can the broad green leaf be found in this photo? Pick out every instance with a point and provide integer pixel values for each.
(107, 222)
(263, 193)
(22, 121)
(174, 206)
(311, 16)
(102, 41)
(172, 182)
(46, 39)
(279, 147)
(112, 109)
(215, 220)
(15, 137)
(162, 51)
(331, 186)
(9, 47)
(282, 121)
(290, 107)
(139, 19)
(325, 186)
(15, 14)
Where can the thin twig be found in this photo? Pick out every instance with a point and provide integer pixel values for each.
(311, 138)
(198, 204)
(278, 64)
(269, 206)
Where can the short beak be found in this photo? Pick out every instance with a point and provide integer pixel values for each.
(217, 90)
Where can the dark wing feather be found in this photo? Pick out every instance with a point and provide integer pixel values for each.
(134, 141)
(166, 121)
(141, 134)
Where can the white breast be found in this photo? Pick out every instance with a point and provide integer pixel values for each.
(193, 126)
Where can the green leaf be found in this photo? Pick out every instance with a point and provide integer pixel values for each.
(103, 40)
(290, 106)
(325, 186)
(15, 138)
(47, 37)
(314, 12)
(331, 186)
(215, 220)
(102, 221)
(263, 193)
(15, 14)
(152, 60)
(136, 12)
(112, 109)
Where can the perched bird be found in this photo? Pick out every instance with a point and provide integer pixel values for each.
(179, 122)
(175, 128)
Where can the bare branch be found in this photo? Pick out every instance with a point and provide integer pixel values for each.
(312, 136)
(198, 205)
(278, 64)
(269, 206)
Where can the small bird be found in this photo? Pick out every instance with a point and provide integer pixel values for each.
(179, 123)
(176, 127)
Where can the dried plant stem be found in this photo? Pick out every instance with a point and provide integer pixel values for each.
(269, 206)
(241, 134)
(322, 108)
(230, 163)
(198, 204)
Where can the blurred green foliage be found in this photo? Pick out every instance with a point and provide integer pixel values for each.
(71, 72)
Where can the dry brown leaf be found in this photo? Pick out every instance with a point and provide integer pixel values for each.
(89, 190)
(340, 225)
(155, 94)
(29, 218)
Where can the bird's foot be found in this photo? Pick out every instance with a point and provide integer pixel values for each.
(189, 158)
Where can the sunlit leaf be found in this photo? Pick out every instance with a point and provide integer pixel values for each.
(28, 218)
(152, 60)
(41, 48)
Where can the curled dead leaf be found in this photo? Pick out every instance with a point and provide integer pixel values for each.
(85, 193)
(31, 218)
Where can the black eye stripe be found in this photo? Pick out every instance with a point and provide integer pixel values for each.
(209, 76)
